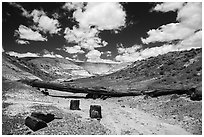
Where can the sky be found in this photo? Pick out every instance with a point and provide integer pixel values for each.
(109, 32)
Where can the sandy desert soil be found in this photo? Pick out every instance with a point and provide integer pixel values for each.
(119, 116)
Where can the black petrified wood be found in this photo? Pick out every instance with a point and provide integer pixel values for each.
(74, 105)
(95, 111)
(35, 123)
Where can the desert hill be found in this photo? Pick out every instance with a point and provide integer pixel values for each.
(174, 70)
(60, 69)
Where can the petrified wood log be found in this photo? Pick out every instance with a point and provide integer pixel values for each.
(194, 93)
(44, 117)
(95, 111)
(67, 88)
(161, 92)
(97, 92)
(35, 123)
(74, 105)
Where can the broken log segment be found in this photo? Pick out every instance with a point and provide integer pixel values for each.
(44, 117)
(110, 92)
(74, 105)
(95, 111)
(161, 92)
(34, 123)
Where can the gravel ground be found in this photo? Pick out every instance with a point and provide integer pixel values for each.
(180, 111)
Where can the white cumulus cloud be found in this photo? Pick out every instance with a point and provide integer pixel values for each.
(168, 6)
(41, 20)
(194, 41)
(106, 16)
(129, 50)
(52, 55)
(169, 32)
(143, 54)
(85, 38)
(73, 5)
(95, 56)
(77, 35)
(44, 23)
(189, 17)
(74, 49)
(91, 21)
(26, 33)
(21, 55)
(22, 42)
(29, 54)
(46, 53)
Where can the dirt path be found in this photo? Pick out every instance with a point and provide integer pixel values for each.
(133, 121)
(123, 119)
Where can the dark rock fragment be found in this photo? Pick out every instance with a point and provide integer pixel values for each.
(35, 123)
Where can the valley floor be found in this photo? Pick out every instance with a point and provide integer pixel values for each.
(120, 116)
